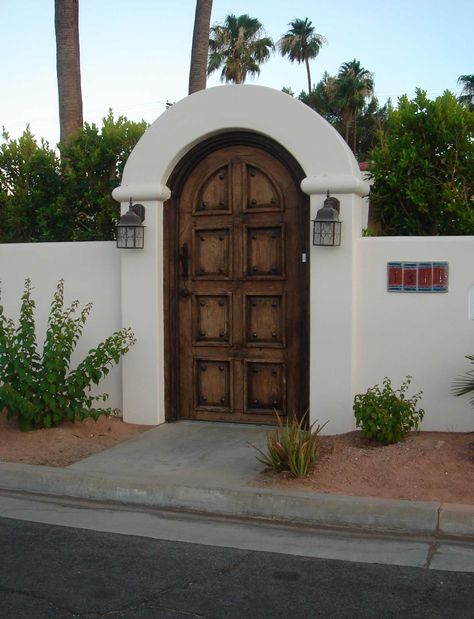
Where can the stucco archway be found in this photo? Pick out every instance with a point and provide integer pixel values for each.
(328, 165)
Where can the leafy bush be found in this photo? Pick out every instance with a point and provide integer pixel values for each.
(44, 197)
(92, 166)
(40, 389)
(465, 384)
(31, 186)
(423, 169)
(291, 447)
(387, 415)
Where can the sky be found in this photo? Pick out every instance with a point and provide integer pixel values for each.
(135, 53)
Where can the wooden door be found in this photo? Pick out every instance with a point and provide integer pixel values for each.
(242, 290)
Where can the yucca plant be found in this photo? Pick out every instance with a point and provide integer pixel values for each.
(465, 384)
(291, 447)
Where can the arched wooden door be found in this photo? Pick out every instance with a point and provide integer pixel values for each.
(238, 290)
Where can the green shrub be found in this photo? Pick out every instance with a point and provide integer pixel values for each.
(44, 197)
(291, 447)
(40, 389)
(387, 415)
(465, 384)
(423, 168)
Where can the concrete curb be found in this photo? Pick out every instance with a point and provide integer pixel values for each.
(380, 515)
(456, 519)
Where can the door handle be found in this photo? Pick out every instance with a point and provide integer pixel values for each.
(184, 259)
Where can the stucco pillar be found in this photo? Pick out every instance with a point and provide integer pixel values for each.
(333, 288)
(142, 310)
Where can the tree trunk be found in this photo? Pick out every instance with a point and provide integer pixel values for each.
(68, 67)
(354, 135)
(200, 48)
(309, 75)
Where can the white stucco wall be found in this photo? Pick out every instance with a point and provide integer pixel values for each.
(91, 272)
(359, 332)
(425, 335)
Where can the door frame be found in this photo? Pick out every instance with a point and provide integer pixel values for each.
(171, 262)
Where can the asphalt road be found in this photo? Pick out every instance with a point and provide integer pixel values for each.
(52, 572)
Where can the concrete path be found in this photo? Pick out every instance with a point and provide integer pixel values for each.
(185, 452)
(206, 467)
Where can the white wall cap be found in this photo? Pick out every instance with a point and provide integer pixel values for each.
(312, 141)
(144, 191)
(335, 184)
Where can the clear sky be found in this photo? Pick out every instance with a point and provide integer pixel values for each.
(135, 53)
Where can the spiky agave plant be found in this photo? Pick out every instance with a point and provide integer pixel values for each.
(465, 384)
(292, 447)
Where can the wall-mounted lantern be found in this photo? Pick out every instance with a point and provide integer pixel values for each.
(130, 228)
(326, 226)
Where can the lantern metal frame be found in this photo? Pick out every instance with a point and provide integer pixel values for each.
(326, 226)
(130, 230)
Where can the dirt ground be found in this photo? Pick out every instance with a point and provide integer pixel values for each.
(64, 445)
(426, 466)
(437, 466)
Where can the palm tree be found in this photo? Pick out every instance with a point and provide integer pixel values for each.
(301, 43)
(354, 85)
(467, 93)
(66, 23)
(238, 47)
(200, 48)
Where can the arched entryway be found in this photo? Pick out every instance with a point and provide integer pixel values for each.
(237, 283)
(151, 177)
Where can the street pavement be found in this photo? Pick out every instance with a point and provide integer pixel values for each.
(58, 572)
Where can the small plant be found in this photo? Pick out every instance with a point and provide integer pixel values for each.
(465, 384)
(387, 415)
(40, 389)
(292, 448)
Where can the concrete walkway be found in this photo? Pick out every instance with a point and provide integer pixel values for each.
(206, 467)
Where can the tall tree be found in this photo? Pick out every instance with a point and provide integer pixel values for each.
(200, 47)
(329, 98)
(354, 85)
(301, 43)
(238, 47)
(467, 93)
(66, 24)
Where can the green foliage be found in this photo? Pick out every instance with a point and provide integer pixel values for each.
(465, 384)
(47, 198)
(239, 47)
(346, 101)
(291, 447)
(31, 189)
(301, 43)
(387, 415)
(93, 163)
(40, 389)
(467, 94)
(423, 169)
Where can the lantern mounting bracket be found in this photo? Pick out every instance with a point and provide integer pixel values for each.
(138, 209)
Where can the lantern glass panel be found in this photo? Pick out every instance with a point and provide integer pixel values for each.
(130, 237)
(327, 233)
(139, 237)
(337, 233)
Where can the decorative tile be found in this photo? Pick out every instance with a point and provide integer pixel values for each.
(417, 277)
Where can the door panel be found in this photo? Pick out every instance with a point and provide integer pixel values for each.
(241, 302)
